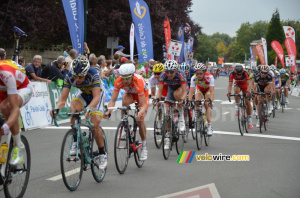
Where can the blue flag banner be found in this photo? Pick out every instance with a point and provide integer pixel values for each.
(74, 11)
(143, 30)
(180, 37)
(251, 53)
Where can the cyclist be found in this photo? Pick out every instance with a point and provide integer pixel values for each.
(15, 91)
(263, 83)
(242, 83)
(176, 81)
(136, 89)
(154, 81)
(277, 84)
(203, 86)
(285, 83)
(90, 95)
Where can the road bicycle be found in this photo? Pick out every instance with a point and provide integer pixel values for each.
(171, 132)
(87, 152)
(127, 141)
(282, 99)
(263, 114)
(200, 123)
(242, 113)
(15, 178)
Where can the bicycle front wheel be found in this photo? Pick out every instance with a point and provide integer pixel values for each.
(261, 115)
(17, 176)
(180, 139)
(187, 125)
(166, 138)
(158, 131)
(121, 148)
(240, 120)
(70, 164)
(97, 173)
(199, 128)
(192, 121)
(138, 145)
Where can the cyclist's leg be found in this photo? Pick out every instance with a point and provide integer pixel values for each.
(177, 96)
(237, 90)
(77, 104)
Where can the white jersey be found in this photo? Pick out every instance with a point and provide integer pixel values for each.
(153, 81)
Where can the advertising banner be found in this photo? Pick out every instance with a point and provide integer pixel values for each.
(279, 51)
(264, 43)
(260, 53)
(131, 40)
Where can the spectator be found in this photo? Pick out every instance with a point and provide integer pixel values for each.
(120, 51)
(70, 58)
(34, 69)
(2, 54)
(22, 62)
(55, 70)
(94, 62)
(66, 52)
(86, 51)
(102, 64)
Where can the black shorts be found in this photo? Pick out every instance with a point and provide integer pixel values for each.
(171, 90)
(261, 88)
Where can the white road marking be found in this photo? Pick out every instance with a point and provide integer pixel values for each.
(218, 100)
(227, 102)
(217, 132)
(208, 190)
(226, 112)
(58, 177)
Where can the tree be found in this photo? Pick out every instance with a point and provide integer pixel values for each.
(235, 53)
(206, 49)
(221, 48)
(275, 30)
(221, 37)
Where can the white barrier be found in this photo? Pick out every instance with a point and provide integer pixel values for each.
(35, 113)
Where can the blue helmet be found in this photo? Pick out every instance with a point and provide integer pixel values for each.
(184, 67)
(282, 71)
(80, 66)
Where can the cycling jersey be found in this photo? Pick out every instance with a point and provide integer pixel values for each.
(284, 79)
(262, 81)
(251, 75)
(153, 81)
(242, 79)
(203, 85)
(176, 82)
(84, 93)
(277, 76)
(14, 81)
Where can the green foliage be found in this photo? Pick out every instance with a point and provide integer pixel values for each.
(275, 30)
(235, 53)
(206, 49)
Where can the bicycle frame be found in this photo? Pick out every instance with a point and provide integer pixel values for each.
(3, 167)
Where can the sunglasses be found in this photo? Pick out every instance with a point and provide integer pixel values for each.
(199, 74)
(78, 76)
(157, 73)
(170, 72)
(126, 78)
(264, 73)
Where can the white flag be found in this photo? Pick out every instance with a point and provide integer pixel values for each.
(131, 39)
(289, 32)
(264, 43)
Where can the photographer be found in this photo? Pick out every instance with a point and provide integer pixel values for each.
(55, 70)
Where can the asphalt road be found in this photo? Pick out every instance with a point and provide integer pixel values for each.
(273, 169)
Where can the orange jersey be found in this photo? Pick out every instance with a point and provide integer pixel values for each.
(11, 77)
(138, 86)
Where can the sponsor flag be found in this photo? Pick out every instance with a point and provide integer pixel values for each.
(279, 51)
(143, 30)
(167, 30)
(291, 50)
(289, 32)
(264, 43)
(251, 54)
(131, 41)
(74, 11)
(180, 37)
(260, 53)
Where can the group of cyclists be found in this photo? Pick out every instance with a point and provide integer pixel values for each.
(170, 80)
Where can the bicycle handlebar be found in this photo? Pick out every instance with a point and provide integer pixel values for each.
(88, 120)
(201, 101)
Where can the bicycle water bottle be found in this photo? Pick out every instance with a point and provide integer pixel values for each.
(204, 118)
(3, 152)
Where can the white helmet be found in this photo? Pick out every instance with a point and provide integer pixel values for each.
(264, 68)
(127, 68)
(200, 66)
(171, 65)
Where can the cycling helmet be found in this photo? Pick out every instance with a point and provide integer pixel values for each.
(127, 68)
(200, 66)
(282, 71)
(159, 67)
(264, 68)
(80, 66)
(239, 69)
(184, 67)
(171, 65)
(272, 67)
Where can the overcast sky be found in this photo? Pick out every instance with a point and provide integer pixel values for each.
(226, 16)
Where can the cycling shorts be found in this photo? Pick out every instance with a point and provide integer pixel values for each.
(25, 93)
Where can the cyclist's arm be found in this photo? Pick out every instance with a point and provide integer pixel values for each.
(153, 89)
(113, 100)
(63, 98)
(35, 77)
(160, 90)
(230, 86)
(279, 80)
(183, 86)
(191, 92)
(142, 101)
(212, 93)
(273, 84)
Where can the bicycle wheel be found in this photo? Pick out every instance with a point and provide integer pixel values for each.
(199, 127)
(121, 149)
(165, 149)
(17, 176)
(71, 166)
(240, 120)
(273, 103)
(261, 115)
(245, 119)
(157, 131)
(192, 119)
(97, 173)
(180, 139)
(206, 137)
(138, 145)
(187, 126)
(282, 101)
